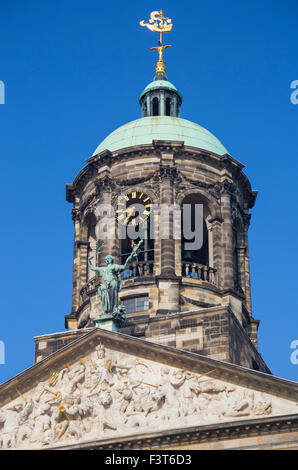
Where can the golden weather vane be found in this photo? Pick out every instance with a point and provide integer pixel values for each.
(159, 24)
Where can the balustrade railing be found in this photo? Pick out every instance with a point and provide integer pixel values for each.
(140, 269)
(199, 271)
(146, 268)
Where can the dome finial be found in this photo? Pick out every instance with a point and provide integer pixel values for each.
(160, 68)
(159, 24)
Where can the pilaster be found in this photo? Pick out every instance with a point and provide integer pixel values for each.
(227, 189)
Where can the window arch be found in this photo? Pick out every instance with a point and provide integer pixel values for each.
(140, 223)
(199, 256)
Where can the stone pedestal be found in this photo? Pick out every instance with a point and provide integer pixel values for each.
(106, 323)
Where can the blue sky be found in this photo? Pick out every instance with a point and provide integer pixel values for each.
(73, 72)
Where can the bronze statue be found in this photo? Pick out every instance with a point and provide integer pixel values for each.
(111, 285)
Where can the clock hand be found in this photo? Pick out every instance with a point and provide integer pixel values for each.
(128, 209)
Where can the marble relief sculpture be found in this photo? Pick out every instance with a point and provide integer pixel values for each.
(105, 394)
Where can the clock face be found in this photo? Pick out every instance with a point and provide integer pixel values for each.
(134, 208)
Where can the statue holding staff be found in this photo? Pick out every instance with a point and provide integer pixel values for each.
(111, 285)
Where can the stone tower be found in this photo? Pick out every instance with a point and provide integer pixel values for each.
(198, 300)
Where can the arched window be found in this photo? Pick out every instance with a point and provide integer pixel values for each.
(198, 256)
(137, 219)
(144, 261)
(155, 107)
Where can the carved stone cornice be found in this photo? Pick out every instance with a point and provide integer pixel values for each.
(69, 193)
(193, 435)
(104, 157)
(176, 148)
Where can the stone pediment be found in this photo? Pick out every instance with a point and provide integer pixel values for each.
(108, 385)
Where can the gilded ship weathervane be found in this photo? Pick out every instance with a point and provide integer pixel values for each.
(159, 24)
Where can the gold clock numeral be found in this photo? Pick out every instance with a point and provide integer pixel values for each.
(125, 211)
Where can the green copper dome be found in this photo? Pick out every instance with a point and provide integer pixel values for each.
(160, 85)
(143, 131)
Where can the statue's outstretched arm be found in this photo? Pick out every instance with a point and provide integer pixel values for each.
(94, 268)
(132, 254)
(128, 261)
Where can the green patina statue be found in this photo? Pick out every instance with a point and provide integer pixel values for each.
(111, 285)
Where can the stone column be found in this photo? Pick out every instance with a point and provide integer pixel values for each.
(227, 236)
(148, 105)
(216, 229)
(175, 106)
(105, 187)
(109, 246)
(168, 283)
(76, 261)
(162, 103)
(241, 258)
(167, 245)
(83, 246)
(246, 264)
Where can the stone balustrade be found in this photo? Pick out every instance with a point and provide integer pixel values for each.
(199, 271)
(146, 268)
(140, 269)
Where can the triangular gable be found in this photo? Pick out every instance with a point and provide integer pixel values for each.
(107, 385)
